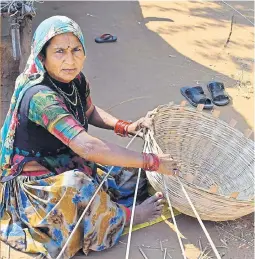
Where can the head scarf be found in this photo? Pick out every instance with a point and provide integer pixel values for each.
(33, 74)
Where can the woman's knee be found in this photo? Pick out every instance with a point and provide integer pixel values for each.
(76, 178)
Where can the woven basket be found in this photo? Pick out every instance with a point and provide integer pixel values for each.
(216, 163)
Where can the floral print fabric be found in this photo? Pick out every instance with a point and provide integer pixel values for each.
(39, 213)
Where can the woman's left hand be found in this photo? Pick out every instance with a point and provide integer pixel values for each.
(143, 122)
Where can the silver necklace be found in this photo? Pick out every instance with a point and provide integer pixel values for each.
(64, 94)
(77, 96)
(73, 89)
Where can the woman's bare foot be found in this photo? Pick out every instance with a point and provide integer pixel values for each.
(149, 209)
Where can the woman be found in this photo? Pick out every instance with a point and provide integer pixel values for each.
(51, 166)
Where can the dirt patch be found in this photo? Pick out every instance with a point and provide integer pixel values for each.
(238, 234)
(215, 36)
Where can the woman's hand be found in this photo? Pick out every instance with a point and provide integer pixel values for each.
(143, 122)
(167, 165)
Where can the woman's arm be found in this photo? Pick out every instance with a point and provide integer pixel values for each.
(97, 116)
(100, 118)
(103, 152)
(49, 111)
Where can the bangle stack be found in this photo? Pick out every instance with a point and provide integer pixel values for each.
(121, 128)
(148, 165)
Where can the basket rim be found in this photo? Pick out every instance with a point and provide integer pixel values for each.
(194, 187)
(207, 115)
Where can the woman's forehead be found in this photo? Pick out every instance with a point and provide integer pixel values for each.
(65, 40)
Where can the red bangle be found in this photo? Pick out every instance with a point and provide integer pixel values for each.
(146, 162)
(121, 128)
(156, 162)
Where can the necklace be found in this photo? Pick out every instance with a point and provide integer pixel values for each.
(73, 89)
(64, 94)
(77, 96)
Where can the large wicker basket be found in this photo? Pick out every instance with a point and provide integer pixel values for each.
(216, 161)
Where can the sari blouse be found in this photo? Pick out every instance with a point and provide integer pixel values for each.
(47, 123)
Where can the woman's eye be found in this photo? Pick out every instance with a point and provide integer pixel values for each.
(77, 49)
(59, 51)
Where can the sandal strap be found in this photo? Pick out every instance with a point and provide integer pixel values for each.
(106, 36)
(220, 97)
(218, 91)
(196, 94)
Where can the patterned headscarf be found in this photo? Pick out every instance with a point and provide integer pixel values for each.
(32, 75)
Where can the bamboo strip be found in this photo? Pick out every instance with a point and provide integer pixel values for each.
(169, 204)
(91, 200)
(133, 211)
(193, 208)
(232, 123)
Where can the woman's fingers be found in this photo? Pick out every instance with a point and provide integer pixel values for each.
(168, 165)
(145, 123)
(169, 173)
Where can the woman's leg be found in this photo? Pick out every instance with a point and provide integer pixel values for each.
(121, 187)
(148, 210)
(47, 210)
(121, 184)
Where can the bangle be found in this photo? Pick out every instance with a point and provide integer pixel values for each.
(147, 164)
(121, 128)
(156, 162)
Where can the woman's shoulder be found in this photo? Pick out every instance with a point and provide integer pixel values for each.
(34, 90)
(36, 96)
(39, 93)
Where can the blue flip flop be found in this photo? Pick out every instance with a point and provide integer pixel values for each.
(106, 38)
(195, 95)
(219, 95)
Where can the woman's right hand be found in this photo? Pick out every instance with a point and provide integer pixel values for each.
(167, 165)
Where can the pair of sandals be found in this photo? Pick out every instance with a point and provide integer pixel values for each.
(195, 95)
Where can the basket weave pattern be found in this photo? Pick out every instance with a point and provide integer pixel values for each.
(216, 163)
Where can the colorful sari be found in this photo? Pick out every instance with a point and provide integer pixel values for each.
(39, 210)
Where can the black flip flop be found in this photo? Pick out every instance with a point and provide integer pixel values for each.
(219, 95)
(195, 95)
(106, 38)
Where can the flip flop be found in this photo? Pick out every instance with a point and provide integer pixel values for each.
(219, 95)
(195, 95)
(106, 38)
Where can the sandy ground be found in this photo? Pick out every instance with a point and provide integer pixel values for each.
(213, 36)
(162, 47)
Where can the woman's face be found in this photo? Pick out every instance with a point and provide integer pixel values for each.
(64, 57)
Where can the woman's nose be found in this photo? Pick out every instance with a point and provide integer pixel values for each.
(69, 58)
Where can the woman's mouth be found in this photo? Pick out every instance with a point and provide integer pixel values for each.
(69, 71)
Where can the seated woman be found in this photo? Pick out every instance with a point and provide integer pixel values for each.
(51, 166)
